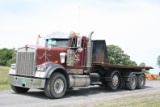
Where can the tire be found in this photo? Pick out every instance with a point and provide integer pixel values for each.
(131, 85)
(56, 86)
(140, 81)
(47, 89)
(115, 81)
(19, 89)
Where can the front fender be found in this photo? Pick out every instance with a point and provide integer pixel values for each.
(53, 68)
(50, 68)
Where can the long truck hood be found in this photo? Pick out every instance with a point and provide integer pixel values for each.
(52, 55)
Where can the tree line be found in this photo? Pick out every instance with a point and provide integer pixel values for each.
(115, 53)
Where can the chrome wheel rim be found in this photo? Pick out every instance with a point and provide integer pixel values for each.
(141, 81)
(59, 86)
(115, 80)
(133, 81)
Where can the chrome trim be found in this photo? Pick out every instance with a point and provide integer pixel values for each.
(79, 80)
(26, 82)
(59, 86)
(26, 61)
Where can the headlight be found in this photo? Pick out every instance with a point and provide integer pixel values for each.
(13, 69)
(13, 66)
(41, 68)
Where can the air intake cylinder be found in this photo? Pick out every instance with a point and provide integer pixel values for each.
(70, 57)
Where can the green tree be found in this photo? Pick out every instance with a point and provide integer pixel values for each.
(13, 59)
(6, 56)
(117, 56)
(143, 65)
(158, 61)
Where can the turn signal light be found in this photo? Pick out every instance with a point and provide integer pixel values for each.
(39, 36)
(56, 61)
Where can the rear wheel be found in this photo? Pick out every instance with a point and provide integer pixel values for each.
(115, 81)
(131, 85)
(56, 86)
(19, 89)
(140, 81)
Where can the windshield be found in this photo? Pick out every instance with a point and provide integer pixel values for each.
(57, 42)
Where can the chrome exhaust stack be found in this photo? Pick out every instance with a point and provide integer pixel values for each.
(89, 52)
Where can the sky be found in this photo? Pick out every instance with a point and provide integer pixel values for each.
(133, 25)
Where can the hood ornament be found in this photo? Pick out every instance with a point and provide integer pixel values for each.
(26, 47)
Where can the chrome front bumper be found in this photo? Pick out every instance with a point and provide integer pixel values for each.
(26, 82)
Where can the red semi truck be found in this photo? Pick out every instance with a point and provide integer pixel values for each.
(68, 61)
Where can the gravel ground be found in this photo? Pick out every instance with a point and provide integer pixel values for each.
(93, 94)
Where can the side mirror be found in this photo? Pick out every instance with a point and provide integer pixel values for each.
(49, 47)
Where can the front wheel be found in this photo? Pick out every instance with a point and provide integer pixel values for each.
(56, 86)
(19, 89)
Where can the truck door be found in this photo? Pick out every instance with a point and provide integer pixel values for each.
(78, 47)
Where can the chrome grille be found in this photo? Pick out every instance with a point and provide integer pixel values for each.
(25, 62)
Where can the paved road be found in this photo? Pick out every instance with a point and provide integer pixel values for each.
(36, 98)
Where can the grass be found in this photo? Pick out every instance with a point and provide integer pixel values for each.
(5, 87)
(147, 100)
(4, 78)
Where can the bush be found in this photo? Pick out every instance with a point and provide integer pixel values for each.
(7, 56)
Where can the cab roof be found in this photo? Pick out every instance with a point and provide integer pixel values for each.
(58, 36)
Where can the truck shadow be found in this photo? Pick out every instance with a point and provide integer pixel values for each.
(79, 92)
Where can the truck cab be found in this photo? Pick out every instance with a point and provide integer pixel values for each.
(63, 54)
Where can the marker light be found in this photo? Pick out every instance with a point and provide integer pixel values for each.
(56, 61)
(39, 36)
